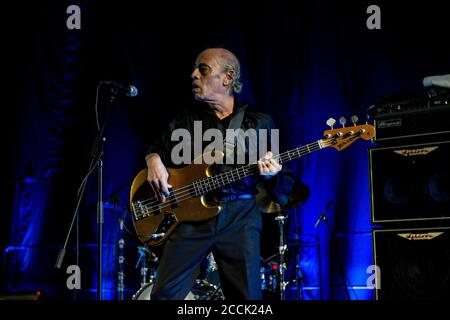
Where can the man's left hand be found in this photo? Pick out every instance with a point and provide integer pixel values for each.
(268, 166)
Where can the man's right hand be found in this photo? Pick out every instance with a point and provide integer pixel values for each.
(157, 176)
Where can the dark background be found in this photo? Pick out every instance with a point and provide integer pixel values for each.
(302, 62)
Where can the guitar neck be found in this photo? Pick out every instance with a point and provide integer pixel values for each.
(206, 185)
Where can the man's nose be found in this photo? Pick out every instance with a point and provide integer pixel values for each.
(195, 74)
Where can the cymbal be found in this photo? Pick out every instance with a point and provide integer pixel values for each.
(298, 195)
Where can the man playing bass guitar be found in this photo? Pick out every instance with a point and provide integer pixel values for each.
(233, 235)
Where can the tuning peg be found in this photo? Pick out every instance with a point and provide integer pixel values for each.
(354, 120)
(342, 121)
(331, 122)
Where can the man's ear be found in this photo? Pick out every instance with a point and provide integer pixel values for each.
(229, 76)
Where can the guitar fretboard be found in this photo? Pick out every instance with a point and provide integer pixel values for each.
(200, 187)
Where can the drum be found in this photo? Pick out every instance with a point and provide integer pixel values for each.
(144, 293)
(206, 285)
(206, 290)
(269, 280)
(202, 290)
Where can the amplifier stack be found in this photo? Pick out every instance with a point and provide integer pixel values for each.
(410, 196)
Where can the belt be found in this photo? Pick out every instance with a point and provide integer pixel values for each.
(233, 197)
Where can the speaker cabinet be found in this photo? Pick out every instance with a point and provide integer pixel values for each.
(414, 264)
(410, 182)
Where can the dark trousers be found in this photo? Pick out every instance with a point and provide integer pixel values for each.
(233, 238)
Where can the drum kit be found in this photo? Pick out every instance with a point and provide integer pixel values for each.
(206, 285)
(273, 269)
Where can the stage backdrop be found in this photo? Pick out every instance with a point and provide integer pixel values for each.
(302, 63)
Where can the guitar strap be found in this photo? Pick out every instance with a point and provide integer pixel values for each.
(231, 140)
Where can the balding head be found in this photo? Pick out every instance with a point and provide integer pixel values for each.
(230, 64)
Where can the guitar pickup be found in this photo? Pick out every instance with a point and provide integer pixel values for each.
(172, 199)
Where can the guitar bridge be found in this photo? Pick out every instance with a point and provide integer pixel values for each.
(140, 210)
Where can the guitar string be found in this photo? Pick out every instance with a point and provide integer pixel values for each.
(226, 174)
(187, 194)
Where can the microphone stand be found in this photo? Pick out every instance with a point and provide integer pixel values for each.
(324, 218)
(96, 161)
(98, 150)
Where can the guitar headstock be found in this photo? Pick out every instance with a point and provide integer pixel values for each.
(341, 138)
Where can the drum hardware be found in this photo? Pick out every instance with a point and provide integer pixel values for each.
(142, 251)
(282, 248)
(264, 285)
(205, 290)
(297, 280)
(300, 192)
(121, 260)
(147, 260)
(270, 279)
(202, 290)
(273, 277)
(120, 272)
(206, 286)
(144, 293)
(273, 270)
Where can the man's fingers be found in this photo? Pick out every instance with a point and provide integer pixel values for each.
(157, 177)
(269, 166)
(155, 186)
(268, 155)
(161, 189)
(274, 163)
(263, 168)
(164, 187)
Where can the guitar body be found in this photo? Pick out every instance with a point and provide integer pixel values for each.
(192, 209)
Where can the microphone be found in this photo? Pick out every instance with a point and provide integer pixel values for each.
(130, 91)
(322, 216)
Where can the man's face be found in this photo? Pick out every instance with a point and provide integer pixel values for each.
(208, 77)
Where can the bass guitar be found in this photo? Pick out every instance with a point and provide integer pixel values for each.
(155, 221)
